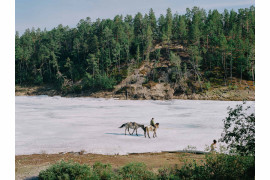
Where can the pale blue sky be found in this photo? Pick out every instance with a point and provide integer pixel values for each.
(50, 13)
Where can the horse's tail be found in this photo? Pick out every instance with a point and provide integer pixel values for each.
(122, 125)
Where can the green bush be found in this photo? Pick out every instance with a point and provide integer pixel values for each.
(209, 74)
(168, 174)
(77, 88)
(103, 171)
(208, 85)
(173, 76)
(99, 82)
(136, 171)
(216, 166)
(104, 82)
(232, 87)
(72, 171)
(66, 171)
(38, 80)
(120, 75)
(223, 166)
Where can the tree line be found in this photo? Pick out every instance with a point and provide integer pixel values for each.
(98, 53)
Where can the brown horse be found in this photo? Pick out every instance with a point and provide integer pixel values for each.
(151, 128)
(132, 125)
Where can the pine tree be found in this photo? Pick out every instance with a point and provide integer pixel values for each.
(169, 23)
(153, 22)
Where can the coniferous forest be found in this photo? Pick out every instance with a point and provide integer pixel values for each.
(96, 55)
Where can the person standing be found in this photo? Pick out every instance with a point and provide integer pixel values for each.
(213, 146)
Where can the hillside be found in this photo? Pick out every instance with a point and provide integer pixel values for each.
(153, 80)
(196, 55)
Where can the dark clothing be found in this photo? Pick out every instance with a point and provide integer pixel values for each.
(152, 123)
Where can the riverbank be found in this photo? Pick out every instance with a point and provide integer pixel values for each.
(243, 92)
(29, 166)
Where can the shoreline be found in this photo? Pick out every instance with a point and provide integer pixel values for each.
(217, 94)
(83, 152)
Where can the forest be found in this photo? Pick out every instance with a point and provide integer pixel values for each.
(97, 55)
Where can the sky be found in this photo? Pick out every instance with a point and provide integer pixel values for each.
(50, 13)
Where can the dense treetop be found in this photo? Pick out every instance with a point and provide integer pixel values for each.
(97, 54)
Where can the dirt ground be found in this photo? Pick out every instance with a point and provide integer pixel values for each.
(29, 166)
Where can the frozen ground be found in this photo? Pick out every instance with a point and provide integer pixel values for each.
(55, 124)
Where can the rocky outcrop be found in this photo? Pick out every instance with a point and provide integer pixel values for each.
(138, 86)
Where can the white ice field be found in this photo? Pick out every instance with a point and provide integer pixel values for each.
(57, 124)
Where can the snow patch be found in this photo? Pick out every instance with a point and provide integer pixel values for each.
(57, 124)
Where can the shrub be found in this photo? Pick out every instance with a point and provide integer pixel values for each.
(208, 74)
(120, 75)
(168, 174)
(232, 87)
(239, 131)
(190, 148)
(173, 76)
(219, 166)
(223, 166)
(77, 88)
(175, 59)
(66, 171)
(136, 171)
(103, 171)
(70, 171)
(208, 85)
(103, 82)
(99, 82)
(38, 80)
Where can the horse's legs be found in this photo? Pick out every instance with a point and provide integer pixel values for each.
(125, 131)
(145, 133)
(148, 133)
(133, 131)
(136, 132)
(155, 133)
(128, 131)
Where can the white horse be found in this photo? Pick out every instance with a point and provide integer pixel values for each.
(151, 128)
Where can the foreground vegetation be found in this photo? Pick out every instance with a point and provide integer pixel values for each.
(215, 166)
(195, 51)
